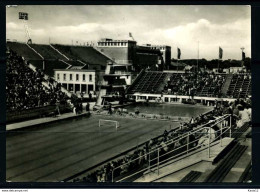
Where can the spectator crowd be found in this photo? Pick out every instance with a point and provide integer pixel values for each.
(138, 159)
(25, 89)
(193, 83)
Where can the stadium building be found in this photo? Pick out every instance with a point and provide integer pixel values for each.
(140, 57)
(77, 80)
(156, 126)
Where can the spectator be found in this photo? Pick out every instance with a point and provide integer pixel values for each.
(25, 89)
(87, 107)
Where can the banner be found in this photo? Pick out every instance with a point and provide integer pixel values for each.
(220, 53)
(243, 56)
(179, 53)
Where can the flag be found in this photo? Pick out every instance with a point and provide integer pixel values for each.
(23, 15)
(220, 53)
(243, 56)
(130, 35)
(179, 53)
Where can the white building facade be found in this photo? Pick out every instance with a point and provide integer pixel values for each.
(77, 80)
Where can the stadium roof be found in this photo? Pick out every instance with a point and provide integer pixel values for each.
(87, 55)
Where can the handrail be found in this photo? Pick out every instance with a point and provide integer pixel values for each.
(217, 121)
(122, 154)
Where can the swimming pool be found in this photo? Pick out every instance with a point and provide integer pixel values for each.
(53, 152)
(182, 110)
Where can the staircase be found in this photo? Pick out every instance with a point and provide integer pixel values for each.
(101, 93)
(247, 174)
(192, 176)
(220, 172)
(59, 52)
(35, 51)
(226, 85)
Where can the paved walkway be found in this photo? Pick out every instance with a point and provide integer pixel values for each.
(34, 122)
(184, 162)
(44, 120)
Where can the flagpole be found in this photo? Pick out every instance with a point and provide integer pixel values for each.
(242, 48)
(198, 56)
(218, 58)
(177, 59)
(198, 59)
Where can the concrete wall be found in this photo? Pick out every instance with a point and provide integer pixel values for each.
(116, 53)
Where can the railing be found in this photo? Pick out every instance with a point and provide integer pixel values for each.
(123, 61)
(199, 133)
(122, 73)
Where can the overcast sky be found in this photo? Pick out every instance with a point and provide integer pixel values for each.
(178, 26)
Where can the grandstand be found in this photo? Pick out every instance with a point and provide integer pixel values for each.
(118, 112)
(47, 52)
(50, 65)
(23, 50)
(109, 158)
(201, 85)
(149, 82)
(88, 55)
(26, 88)
(240, 86)
(59, 56)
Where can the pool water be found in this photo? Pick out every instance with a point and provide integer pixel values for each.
(183, 110)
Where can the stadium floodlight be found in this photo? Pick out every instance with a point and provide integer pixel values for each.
(24, 17)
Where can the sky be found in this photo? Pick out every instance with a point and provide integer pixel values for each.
(196, 30)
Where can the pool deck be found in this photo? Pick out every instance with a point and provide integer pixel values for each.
(130, 115)
(39, 121)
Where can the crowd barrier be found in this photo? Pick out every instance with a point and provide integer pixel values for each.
(121, 155)
(28, 114)
(157, 156)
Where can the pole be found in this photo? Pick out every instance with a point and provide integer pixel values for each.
(158, 161)
(113, 175)
(198, 56)
(149, 159)
(188, 141)
(177, 65)
(218, 65)
(242, 48)
(221, 134)
(230, 125)
(209, 141)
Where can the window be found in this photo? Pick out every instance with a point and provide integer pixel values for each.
(70, 77)
(77, 77)
(64, 77)
(90, 77)
(83, 77)
(58, 76)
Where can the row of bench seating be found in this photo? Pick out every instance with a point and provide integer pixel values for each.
(239, 87)
(149, 82)
(154, 82)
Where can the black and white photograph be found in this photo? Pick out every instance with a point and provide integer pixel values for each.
(128, 93)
